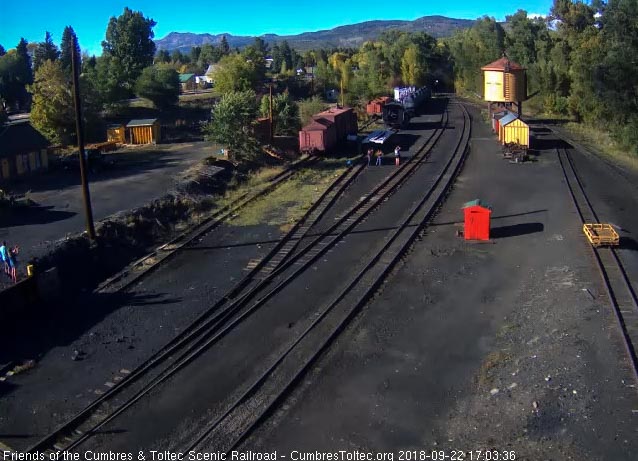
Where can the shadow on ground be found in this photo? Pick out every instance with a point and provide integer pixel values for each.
(627, 243)
(516, 229)
(59, 178)
(74, 318)
(34, 215)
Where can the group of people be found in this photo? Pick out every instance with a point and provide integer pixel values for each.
(379, 155)
(8, 257)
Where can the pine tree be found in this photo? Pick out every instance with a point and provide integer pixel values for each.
(46, 50)
(224, 46)
(69, 39)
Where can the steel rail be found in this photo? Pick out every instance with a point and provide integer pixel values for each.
(196, 347)
(162, 254)
(378, 262)
(618, 286)
(330, 195)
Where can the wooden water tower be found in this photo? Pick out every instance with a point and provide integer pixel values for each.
(505, 84)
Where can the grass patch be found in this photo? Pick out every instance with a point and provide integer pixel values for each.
(602, 142)
(287, 203)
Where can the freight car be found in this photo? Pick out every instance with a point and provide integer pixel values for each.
(327, 129)
(375, 107)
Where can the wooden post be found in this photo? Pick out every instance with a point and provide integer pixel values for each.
(270, 115)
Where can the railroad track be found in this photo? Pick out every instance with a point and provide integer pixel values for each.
(152, 261)
(259, 400)
(225, 315)
(620, 292)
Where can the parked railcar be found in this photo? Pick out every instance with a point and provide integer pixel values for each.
(395, 115)
(327, 129)
(411, 98)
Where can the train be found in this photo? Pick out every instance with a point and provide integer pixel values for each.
(327, 129)
(407, 100)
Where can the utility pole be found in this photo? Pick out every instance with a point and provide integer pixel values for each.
(270, 116)
(342, 95)
(79, 129)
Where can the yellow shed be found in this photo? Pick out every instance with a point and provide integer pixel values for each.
(116, 133)
(143, 131)
(515, 131)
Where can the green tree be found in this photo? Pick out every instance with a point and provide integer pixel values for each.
(473, 48)
(310, 107)
(162, 57)
(224, 47)
(235, 73)
(69, 40)
(46, 50)
(618, 69)
(53, 111)
(2, 51)
(285, 113)
(129, 39)
(232, 124)
(209, 55)
(160, 84)
(413, 66)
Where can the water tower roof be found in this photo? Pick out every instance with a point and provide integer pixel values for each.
(503, 64)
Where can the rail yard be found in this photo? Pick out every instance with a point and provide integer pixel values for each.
(370, 325)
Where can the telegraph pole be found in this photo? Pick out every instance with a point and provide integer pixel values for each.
(270, 113)
(79, 129)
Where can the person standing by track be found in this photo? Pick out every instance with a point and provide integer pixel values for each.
(4, 254)
(12, 263)
(397, 155)
(379, 155)
(369, 155)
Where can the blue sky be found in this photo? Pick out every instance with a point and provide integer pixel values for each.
(30, 19)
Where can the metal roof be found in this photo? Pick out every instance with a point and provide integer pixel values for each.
(503, 64)
(183, 78)
(476, 202)
(317, 124)
(141, 122)
(509, 118)
(20, 138)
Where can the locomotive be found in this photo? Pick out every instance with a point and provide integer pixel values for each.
(407, 100)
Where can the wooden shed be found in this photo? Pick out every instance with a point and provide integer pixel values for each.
(476, 220)
(507, 118)
(187, 82)
(23, 150)
(515, 130)
(116, 133)
(143, 131)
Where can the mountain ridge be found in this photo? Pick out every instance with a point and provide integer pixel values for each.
(349, 35)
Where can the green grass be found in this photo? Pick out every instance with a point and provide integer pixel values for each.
(287, 203)
(602, 142)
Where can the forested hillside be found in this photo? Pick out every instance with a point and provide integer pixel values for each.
(582, 61)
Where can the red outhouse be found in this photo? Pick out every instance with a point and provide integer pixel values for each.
(477, 220)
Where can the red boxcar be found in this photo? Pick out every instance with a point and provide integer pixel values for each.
(344, 119)
(375, 107)
(319, 135)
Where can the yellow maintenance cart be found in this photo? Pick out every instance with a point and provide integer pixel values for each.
(601, 234)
